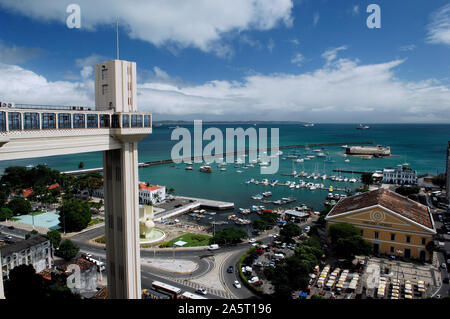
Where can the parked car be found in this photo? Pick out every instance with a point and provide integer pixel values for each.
(201, 291)
(445, 280)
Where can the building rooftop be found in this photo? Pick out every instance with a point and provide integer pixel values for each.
(83, 263)
(143, 186)
(22, 245)
(397, 203)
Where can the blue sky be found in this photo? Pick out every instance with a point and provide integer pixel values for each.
(232, 60)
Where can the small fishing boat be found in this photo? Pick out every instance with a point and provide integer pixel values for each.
(205, 169)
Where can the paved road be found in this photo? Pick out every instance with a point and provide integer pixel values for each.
(196, 255)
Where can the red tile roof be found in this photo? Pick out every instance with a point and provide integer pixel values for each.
(27, 192)
(397, 203)
(53, 186)
(143, 186)
(83, 263)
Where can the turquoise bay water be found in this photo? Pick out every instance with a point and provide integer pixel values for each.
(421, 145)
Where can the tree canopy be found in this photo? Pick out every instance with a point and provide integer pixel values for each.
(19, 206)
(67, 249)
(347, 241)
(228, 235)
(24, 283)
(74, 215)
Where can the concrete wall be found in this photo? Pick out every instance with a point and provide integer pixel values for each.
(120, 78)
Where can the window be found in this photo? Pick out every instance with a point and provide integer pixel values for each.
(147, 121)
(424, 241)
(31, 121)
(14, 121)
(104, 120)
(48, 120)
(125, 120)
(136, 120)
(115, 121)
(64, 120)
(92, 121)
(79, 121)
(376, 235)
(2, 121)
(392, 236)
(104, 89)
(408, 239)
(104, 74)
(392, 249)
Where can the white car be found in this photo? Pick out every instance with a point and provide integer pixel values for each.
(201, 291)
(252, 240)
(237, 284)
(444, 266)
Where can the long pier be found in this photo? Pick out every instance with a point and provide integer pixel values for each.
(349, 171)
(194, 158)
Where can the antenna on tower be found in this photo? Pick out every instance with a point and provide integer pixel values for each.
(117, 37)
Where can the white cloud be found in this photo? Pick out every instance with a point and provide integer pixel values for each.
(270, 45)
(17, 55)
(174, 24)
(408, 47)
(298, 59)
(342, 90)
(295, 41)
(439, 28)
(331, 54)
(355, 10)
(316, 18)
(24, 86)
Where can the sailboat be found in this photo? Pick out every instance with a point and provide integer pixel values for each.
(363, 127)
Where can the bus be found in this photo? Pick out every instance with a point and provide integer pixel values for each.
(173, 292)
(189, 295)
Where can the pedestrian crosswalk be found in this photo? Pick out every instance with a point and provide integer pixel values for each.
(216, 292)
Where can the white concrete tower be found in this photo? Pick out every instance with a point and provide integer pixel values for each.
(447, 172)
(115, 128)
(115, 88)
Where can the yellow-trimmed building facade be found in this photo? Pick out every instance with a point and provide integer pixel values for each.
(394, 224)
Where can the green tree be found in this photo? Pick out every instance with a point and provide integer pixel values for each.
(228, 235)
(259, 224)
(5, 213)
(55, 238)
(24, 283)
(74, 215)
(367, 178)
(347, 241)
(439, 181)
(289, 231)
(19, 206)
(67, 249)
(407, 190)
